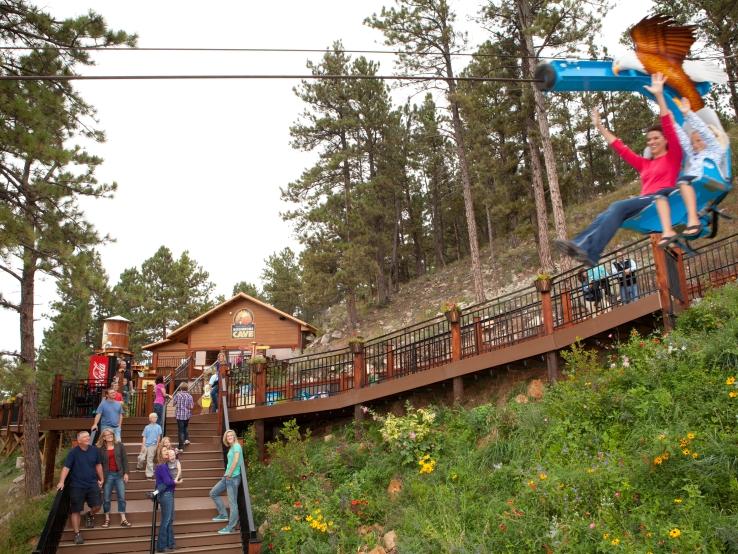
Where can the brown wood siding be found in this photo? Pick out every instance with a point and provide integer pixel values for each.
(170, 347)
(269, 329)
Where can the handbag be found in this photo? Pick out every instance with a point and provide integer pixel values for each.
(141, 460)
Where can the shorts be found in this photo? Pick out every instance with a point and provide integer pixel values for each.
(665, 192)
(78, 496)
(683, 178)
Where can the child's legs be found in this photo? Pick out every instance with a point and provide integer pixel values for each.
(664, 211)
(690, 202)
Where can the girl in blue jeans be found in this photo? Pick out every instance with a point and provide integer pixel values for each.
(229, 483)
(166, 484)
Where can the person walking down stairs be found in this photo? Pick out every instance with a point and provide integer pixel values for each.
(183, 404)
(84, 468)
(165, 485)
(229, 483)
(115, 469)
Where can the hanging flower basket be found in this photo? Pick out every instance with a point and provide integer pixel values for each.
(452, 312)
(543, 282)
(356, 345)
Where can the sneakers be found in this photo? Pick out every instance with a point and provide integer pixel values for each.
(225, 531)
(571, 249)
(187, 442)
(89, 521)
(78, 538)
(220, 518)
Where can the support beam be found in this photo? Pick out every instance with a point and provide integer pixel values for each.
(51, 446)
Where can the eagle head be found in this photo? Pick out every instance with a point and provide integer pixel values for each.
(629, 60)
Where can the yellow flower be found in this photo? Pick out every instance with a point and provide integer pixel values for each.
(686, 452)
(615, 541)
(658, 460)
(675, 533)
(542, 476)
(286, 528)
(666, 455)
(606, 536)
(678, 501)
(730, 380)
(691, 436)
(662, 437)
(733, 394)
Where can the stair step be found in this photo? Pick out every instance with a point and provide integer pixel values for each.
(189, 481)
(188, 471)
(188, 454)
(142, 529)
(132, 544)
(181, 491)
(139, 511)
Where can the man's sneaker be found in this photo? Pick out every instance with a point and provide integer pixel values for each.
(187, 442)
(225, 531)
(573, 250)
(89, 520)
(220, 518)
(78, 538)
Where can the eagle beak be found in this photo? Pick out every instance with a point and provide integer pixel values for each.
(616, 68)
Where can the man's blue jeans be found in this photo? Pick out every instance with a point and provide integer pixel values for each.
(231, 488)
(114, 479)
(166, 523)
(595, 237)
(628, 293)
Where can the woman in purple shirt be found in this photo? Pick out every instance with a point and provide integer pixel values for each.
(165, 483)
(160, 393)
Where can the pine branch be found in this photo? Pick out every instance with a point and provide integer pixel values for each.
(10, 272)
(14, 354)
(9, 305)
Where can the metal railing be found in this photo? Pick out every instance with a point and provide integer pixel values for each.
(249, 533)
(48, 541)
(81, 397)
(714, 265)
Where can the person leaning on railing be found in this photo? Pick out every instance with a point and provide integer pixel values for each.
(229, 483)
(83, 465)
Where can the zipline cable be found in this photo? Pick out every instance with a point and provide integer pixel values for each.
(575, 57)
(309, 77)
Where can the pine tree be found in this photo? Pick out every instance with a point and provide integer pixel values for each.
(423, 29)
(249, 288)
(282, 282)
(43, 170)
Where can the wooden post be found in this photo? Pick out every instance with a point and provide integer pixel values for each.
(390, 361)
(259, 371)
(566, 308)
(171, 380)
(19, 399)
(55, 408)
(552, 361)
(662, 281)
(357, 348)
(149, 399)
(259, 431)
(51, 445)
(222, 384)
(686, 301)
(190, 366)
(478, 335)
(458, 382)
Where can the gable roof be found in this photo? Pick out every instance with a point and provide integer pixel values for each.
(240, 296)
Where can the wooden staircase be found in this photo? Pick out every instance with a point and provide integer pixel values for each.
(202, 466)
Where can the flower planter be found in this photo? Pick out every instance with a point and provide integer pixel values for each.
(543, 285)
(453, 315)
(356, 346)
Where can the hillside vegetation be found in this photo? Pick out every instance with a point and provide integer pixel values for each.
(635, 451)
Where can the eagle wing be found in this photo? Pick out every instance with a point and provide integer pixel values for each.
(661, 45)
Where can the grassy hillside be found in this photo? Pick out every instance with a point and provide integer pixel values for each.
(635, 452)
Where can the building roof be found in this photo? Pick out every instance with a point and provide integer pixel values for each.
(117, 318)
(240, 296)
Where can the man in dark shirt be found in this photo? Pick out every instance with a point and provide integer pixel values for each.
(84, 468)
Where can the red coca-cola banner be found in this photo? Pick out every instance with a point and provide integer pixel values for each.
(98, 373)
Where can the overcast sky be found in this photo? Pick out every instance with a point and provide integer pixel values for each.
(199, 164)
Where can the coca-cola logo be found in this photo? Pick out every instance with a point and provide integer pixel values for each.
(98, 371)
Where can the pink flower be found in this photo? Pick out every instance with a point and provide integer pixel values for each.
(364, 409)
(411, 435)
(617, 494)
(592, 525)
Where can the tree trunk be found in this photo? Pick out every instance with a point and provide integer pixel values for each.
(731, 68)
(438, 245)
(382, 288)
(528, 51)
(489, 232)
(31, 454)
(539, 197)
(351, 314)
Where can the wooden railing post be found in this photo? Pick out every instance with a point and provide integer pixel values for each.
(56, 394)
(172, 374)
(51, 445)
(357, 349)
(191, 366)
(478, 336)
(662, 281)
(567, 312)
(543, 286)
(390, 361)
(259, 376)
(454, 322)
(150, 400)
(686, 300)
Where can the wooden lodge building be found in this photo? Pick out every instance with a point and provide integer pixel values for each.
(239, 326)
